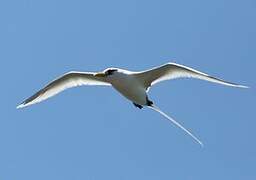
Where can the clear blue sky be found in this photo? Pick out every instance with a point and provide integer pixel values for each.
(92, 132)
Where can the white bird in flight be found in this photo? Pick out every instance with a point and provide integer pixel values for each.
(133, 85)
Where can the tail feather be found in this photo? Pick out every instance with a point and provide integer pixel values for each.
(155, 108)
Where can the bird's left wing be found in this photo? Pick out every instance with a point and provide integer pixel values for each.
(68, 80)
(172, 71)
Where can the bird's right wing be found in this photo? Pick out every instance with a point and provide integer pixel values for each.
(172, 71)
(68, 80)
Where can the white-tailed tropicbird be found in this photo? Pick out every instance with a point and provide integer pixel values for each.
(133, 85)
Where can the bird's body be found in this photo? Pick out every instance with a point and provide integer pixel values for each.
(132, 85)
(126, 83)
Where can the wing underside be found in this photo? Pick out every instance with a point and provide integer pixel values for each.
(69, 80)
(173, 71)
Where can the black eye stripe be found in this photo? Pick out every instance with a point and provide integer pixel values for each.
(111, 71)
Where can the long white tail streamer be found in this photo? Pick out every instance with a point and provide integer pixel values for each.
(157, 109)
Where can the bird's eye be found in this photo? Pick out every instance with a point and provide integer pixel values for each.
(110, 71)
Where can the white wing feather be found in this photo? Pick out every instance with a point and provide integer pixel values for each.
(68, 80)
(172, 71)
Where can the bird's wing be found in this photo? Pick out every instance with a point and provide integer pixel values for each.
(68, 80)
(172, 71)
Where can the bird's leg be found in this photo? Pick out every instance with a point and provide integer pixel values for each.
(138, 105)
(149, 103)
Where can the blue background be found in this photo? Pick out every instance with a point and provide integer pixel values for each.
(94, 133)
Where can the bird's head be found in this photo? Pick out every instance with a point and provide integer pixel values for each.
(106, 72)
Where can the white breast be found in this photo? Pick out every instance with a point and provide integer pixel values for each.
(129, 86)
